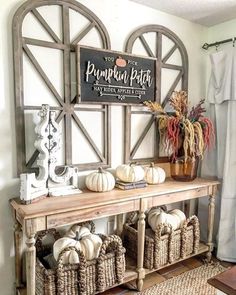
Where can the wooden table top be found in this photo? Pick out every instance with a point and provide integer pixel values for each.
(88, 199)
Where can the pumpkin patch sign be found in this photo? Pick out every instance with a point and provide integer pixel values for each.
(108, 77)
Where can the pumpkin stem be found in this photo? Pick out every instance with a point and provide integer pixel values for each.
(151, 164)
(77, 236)
(132, 164)
(100, 170)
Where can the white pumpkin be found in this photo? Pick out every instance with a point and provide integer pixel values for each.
(81, 238)
(154, 175)
(100, 181)
(179, 215)
(77, 232)
(173, 218)
(130, 173)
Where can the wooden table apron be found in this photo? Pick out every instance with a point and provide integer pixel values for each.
(59, 211)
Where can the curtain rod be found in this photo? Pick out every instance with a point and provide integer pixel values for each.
(206, 45)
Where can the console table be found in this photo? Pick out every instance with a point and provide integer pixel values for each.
(58, 211)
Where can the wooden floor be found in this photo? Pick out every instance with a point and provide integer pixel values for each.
(160, 276)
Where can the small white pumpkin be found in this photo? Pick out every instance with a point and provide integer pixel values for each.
(154, 175)
(81, 238)
(130, 173)
(100, 181)
(173, 218)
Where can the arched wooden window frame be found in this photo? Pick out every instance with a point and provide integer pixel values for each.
(161, 63)
(67, 106)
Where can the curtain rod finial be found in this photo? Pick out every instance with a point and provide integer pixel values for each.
(205, 46)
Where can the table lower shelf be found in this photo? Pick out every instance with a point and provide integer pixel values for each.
(202, 249)
(131, 273)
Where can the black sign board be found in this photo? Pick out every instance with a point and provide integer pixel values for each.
(107, 77)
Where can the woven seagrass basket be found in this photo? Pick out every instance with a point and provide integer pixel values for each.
(162, 249)
(84, 278)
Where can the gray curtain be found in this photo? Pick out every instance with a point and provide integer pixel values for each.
(221, 161)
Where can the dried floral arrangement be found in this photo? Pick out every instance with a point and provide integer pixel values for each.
(183, 133)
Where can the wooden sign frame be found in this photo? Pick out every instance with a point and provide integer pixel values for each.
(113, 77)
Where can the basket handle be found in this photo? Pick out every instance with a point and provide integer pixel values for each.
(116, 240)
(160, 228)
(119, 261)
(81, 271)
(42, 234)
(196, 234)
(157, 244)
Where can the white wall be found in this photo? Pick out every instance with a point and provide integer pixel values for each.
(120, 18)
(222, 31)
(219, 32)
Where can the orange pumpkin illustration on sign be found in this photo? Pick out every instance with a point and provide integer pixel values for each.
(120, 62)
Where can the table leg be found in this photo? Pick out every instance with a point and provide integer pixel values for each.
(211, 216)
(30, 263)
(119, 227)
(18, 242)
(141, 241)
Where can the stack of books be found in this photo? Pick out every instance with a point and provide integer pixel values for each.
(130, 185)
